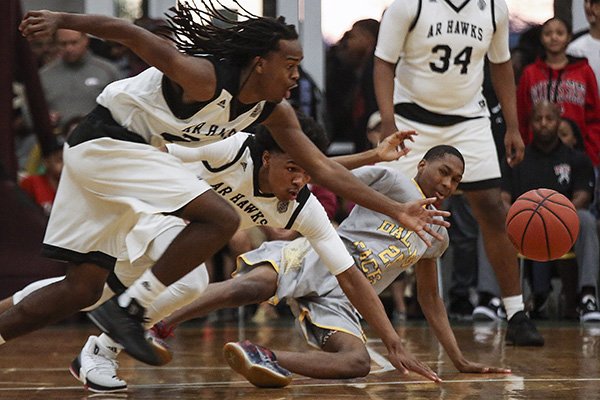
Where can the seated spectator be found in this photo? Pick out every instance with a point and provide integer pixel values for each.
(565, 80)
(570, 134)
(550, 164)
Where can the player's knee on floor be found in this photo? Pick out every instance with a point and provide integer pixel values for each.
(352, 359)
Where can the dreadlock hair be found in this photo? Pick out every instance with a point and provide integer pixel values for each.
(263, 140)
(210, 31)
(437, 152)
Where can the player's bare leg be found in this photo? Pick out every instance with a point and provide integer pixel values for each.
(5, 304)
(81, 288)
(212, 223)
(490, 213)
(256, 286)
(345, 356)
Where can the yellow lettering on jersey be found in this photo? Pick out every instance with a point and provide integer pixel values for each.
(386, 226)
(389, 255)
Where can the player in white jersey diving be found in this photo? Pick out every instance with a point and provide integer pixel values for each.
(267, 188)
(428, 75)
(215, 82)
(293, 272)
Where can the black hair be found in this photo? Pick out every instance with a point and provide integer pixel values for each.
(576, 132)
(370, 25)
(222, 36)
(564, 21)
(53, 145)
(437, 152)
(263, 140)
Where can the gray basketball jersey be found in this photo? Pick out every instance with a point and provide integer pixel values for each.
(147, 105)
(381, 247)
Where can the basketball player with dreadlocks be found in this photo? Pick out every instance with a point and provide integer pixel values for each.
(219, 81)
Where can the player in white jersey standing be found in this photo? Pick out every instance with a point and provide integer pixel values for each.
(113, 174)
(428, 77)
(293, 272)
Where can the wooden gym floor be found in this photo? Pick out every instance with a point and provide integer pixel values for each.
(568, 367)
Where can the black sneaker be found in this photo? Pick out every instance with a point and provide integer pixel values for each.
(521, 331)
(460, 309)
(492, 310)
(257, 364)
(588, 309)
(125, 326)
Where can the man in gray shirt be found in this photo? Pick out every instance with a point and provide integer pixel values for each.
(72, 82)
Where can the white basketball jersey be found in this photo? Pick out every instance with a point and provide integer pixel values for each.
(139, 104)
(232, 171)
(441, 45)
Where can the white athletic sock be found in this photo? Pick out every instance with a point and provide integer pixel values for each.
(110, 344)
(177, 295)
(2, 341)
(145, 290)
(513, 305)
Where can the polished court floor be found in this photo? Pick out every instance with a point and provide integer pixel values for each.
(568, 367)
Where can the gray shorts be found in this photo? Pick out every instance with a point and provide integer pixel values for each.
(313, 294)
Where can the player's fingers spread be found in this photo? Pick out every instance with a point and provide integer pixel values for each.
(433, 233)
(439, 213)
(424, 238)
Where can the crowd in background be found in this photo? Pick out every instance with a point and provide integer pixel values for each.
(556, 82)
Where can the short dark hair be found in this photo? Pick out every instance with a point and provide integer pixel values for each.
(219, 35)
(440, 151)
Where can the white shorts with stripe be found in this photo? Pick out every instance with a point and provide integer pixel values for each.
(313, 294)
(473, 138)
(106, 184)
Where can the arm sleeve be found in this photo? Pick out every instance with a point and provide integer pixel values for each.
(313, 223)
(393, 29)
(499, 52)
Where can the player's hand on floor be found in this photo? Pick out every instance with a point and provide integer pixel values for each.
(476, 368)
(416, 217)
(393, 147)
(405, 362)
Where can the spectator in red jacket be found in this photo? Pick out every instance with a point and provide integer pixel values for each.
(565, 80)
(42, 188)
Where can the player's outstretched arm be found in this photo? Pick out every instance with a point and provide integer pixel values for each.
(435, 312)
(285, 129)
(362, 295)
(194, 74)
(391, 148)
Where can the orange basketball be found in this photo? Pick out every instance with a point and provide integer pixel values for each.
(542, 224)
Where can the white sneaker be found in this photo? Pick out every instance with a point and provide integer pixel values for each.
(492, 311)
(96, 367)
(588, 309)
